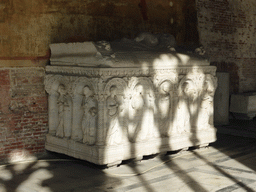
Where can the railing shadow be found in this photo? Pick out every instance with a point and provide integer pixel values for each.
(188, 93)
(199, 100)
(55, 173)
(183, 175)
(159, 108)
(224, 173)
(165, 120)
(143, 182)
(13, 175)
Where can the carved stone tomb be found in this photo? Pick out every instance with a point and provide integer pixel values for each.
(112, 101)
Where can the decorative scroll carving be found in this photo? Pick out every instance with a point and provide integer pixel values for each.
(122, 72)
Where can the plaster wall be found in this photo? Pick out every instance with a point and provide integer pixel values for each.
(28, 26)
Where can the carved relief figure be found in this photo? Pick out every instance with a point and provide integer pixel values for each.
(89, 121)
(136, 112)
(164, 105)
(206, 108)
(112, 103)
(165, 100)
(187, 105)
(62, 103)
(137, 99)
(114, 135)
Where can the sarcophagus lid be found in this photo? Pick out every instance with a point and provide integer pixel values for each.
(145, 50)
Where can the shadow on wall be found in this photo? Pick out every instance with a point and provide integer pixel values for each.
(79, 22)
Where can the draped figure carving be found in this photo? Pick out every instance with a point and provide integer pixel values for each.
(113, 101)
(89, 121)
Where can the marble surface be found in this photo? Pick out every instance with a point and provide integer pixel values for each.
(243, 106)
(221, 100)
(227, 165)
(146, 49)
(149, 101)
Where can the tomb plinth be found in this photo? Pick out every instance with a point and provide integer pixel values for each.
(112, 101)
(243, 105)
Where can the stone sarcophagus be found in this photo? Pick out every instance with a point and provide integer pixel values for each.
(112, 101)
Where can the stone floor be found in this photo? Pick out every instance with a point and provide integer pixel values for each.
(226, 165)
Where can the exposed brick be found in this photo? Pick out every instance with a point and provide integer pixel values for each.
(5, 78)
(19, 121)
(227, 31)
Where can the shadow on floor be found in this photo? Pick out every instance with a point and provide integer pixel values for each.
(230, 159)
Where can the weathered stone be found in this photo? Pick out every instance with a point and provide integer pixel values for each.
(108, 114)
(221, 100)
(243, 105)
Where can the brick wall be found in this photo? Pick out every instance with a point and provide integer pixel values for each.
(228, 32)
(27, 27)
(23, 111)
(226, 29)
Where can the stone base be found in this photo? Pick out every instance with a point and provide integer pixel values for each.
(113, 101)
(243, 106)
(244, 116)
(221, 100)
(115, 154)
